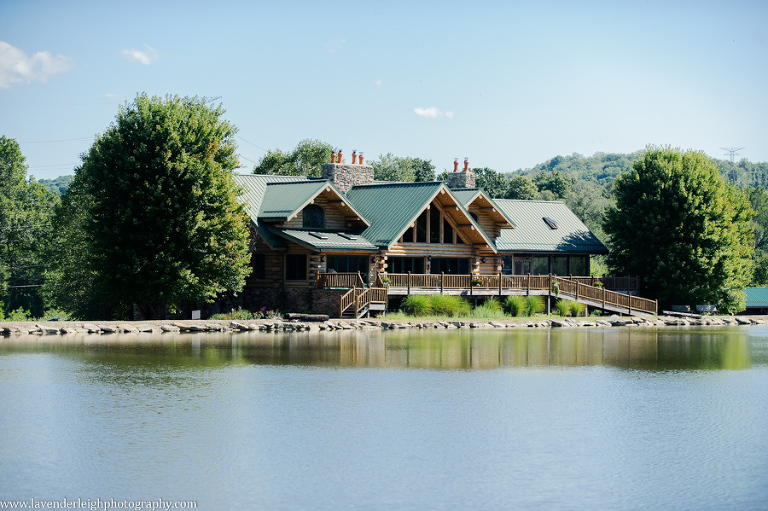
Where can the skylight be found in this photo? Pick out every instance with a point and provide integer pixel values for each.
(551, 223)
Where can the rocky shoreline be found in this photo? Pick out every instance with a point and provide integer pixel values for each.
(324, 324)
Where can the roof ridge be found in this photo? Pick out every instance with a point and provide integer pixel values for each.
(397, 183)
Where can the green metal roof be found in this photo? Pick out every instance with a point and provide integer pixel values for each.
(466, 195)
(325, 240)
(757, 296)
(282, 200)
(390, 208)
(533, 234)
(253, 187)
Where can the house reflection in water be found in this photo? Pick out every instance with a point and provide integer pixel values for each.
(492, 349)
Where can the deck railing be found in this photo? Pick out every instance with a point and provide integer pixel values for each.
(343, 280)
(361, 298)
(575, 287)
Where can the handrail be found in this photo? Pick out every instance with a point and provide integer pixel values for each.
(347, 300)
(329, 280)
(572, 286)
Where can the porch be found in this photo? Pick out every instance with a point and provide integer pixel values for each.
(588, 290)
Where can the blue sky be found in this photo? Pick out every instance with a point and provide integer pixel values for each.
(506, 84)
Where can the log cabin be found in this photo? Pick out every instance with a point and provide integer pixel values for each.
(346, 223)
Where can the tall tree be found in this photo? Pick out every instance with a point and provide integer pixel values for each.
(394, 168)
(491, 182)
(424, 170)
(555, 181)
(684, 229)
(156, 205)
(26, 208)
(306, 159)
(521, 187)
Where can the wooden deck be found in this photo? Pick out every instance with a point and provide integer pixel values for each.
(403, 284)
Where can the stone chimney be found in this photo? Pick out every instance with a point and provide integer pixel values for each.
(464, 179)
(345, 175)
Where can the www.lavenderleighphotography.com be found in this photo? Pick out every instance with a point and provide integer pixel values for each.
(496, 255)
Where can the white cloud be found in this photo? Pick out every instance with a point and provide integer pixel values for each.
(146, 56)
(16, 66)
(433, 112)
(377, 83)
(334, 45)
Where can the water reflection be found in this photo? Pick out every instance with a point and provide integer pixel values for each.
(652, 349)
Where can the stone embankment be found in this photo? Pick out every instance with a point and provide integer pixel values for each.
(74, 327)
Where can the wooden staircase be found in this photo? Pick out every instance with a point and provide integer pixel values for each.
(358, 302)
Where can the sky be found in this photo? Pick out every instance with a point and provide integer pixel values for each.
(506, 84)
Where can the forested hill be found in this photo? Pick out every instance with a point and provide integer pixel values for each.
(58, 185)
(603, 168)
(600, 168)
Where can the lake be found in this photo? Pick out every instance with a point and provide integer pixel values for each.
(406, 419)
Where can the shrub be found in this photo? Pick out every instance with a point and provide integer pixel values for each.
(535, 304)
(19, 314)
(417, 305)
(577, 308)
(563, 307)
(58, 314)
(449, 305)
(489, 309)
(515, 305)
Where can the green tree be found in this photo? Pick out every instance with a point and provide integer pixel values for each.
(555, 181)
(394, 168)
(491, 182)
(521, 187)
(424, 170)
(155, 207)
(306, 159)
(589, 201)
(684, 229)
(26, 208)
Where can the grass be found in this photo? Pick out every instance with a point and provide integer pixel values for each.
(515, 305)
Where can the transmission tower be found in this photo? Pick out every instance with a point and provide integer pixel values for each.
(732, 153)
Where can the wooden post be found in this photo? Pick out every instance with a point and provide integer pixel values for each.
(529, 285)
(499, 283)
(408, 283)
(577, 291)
(630, 298)
(603, 296)
(442, 281)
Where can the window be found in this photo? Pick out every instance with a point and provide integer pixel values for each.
(421, 228)
(579, 265)
(540, 266)
(296, 267)
(348, 264)
(313, 217)
(450, 265)
(405, 264)
(434, 225)
(506, 267)
(551, 223)
(560, 265)
(258, 266)
(447, 232)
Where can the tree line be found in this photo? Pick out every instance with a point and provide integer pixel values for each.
(151, 217)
